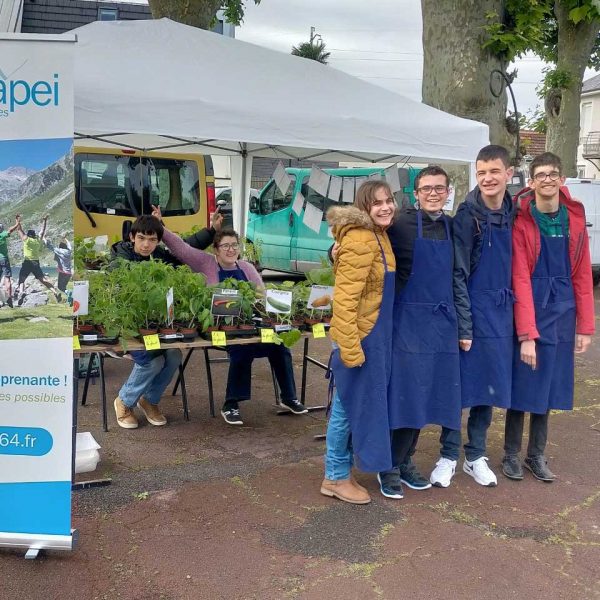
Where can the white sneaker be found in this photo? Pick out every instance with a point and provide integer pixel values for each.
(480, 472)
(444, 470)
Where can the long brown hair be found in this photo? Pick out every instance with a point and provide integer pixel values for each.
(365, 194)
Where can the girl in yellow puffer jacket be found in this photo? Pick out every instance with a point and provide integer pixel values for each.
(361, 329)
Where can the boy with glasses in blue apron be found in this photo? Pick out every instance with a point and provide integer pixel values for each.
(425, 381)
(554, 311)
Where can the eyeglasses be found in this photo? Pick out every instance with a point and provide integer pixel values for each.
(229, 246)
(427, 189)
(553, 176)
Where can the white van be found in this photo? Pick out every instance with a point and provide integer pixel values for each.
(588, 192)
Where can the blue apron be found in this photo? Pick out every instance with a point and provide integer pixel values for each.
(486, 369)
(551, 385)
(425, 381)
(363, 390)
(236, 273)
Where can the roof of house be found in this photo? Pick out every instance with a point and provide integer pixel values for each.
(591, 85)
(534, 143)
(58, 16)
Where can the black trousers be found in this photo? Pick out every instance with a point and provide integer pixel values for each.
(513, 433)
(404, 444)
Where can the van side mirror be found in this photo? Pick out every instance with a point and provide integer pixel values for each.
(254, 205)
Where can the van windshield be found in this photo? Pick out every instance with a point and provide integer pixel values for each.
(129, 185)
(272, 200)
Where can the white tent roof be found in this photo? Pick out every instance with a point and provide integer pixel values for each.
(156, 84)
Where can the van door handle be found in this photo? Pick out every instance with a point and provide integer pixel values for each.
(588, 224)
(291, 219)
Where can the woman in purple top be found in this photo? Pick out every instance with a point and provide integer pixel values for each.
(217, 267)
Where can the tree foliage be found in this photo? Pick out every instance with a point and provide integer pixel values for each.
(199, 13)
(314, 50)
(564, 33)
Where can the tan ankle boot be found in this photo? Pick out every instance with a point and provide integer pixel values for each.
(345, 490)
(355, 483)
(152, 412)
(125, 418)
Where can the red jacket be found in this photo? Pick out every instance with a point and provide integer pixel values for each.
(526, 250)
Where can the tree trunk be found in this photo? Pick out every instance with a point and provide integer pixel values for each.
(456, 69)
(197, 13)
(575, 43)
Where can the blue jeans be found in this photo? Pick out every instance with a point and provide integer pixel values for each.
(150, 379)
(240, 370)
(338, 453)
(480, 419)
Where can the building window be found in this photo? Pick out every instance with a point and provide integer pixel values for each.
(108, 14)
(586, 117)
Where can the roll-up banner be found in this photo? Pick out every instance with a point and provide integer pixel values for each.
(36, 235)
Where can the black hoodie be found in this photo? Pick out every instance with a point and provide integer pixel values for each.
(201, 239)
(469, 226)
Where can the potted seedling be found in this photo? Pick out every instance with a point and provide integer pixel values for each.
(86, 256)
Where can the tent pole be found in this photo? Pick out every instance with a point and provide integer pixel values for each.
(245, 194)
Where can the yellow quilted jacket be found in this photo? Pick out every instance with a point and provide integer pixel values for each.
(359, 275)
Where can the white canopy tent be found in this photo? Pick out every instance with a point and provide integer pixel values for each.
(162, 85)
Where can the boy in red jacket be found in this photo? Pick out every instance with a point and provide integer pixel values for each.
(554, 310)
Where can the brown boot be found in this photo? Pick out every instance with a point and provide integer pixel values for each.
(345, 490)
(125, 417)
(152, 412)
(355, 483)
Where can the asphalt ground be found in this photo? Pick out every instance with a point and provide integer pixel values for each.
(203, 510)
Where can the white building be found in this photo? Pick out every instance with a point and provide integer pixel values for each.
(588, 151)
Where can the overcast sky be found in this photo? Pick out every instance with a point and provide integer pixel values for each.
(379, 41)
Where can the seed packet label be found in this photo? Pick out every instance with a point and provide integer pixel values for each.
(76, 344)
(152, 342)
(279, 301)
(218, 338)
(170, 309)
(226, 303)
(89, 338)
(320, 297)
(318, 330)
(81, 293)
(267, 336)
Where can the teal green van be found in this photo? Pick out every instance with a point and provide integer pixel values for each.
(286, 243)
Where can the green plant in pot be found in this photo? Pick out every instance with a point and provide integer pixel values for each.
(85, 255)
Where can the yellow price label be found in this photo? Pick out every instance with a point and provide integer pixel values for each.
(267, 336)
(318, 330)
(152, 342)
(76, 344)
(218, 338)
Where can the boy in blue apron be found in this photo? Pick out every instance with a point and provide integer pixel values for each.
(482, 231)
(425, 381)
(554, 311)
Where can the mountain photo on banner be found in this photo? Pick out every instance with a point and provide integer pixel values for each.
(36, 237)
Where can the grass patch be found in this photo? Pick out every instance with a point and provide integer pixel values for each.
(15, 325)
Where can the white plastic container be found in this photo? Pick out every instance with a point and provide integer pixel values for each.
(86, 453)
